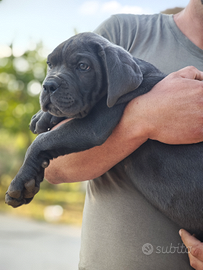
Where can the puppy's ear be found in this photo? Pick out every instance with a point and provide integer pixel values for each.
(123, 73)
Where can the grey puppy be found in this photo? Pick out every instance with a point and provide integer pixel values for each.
(91, 80)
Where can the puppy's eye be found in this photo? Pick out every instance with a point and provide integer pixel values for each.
(83, 67)
(49, 65)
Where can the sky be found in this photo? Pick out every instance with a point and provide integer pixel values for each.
(27, 22)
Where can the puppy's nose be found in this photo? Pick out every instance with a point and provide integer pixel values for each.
(50, 86)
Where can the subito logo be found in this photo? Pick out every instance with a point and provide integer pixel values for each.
(147, 249)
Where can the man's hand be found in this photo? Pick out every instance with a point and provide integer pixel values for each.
(172, 112)
(195, 249)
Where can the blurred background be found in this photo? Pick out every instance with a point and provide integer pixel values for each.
(30, 30)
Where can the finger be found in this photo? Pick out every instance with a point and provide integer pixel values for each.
(197, 252)
(195, 247)
(199, 76)
(195, 263)
(188, 239)
(191, 73)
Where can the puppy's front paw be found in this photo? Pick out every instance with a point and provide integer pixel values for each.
(22, 191)
(40, 122)
(17, 196)
(43, 121)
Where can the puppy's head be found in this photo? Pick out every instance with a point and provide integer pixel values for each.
(82, 70)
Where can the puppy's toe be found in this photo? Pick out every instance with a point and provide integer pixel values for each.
(12, 201)
(13, 192)
(30, 189)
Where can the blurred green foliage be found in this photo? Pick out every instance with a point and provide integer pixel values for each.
(20, 84)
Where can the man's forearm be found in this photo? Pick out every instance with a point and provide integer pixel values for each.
(96, 161)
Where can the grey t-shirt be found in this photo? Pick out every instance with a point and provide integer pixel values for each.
(121, 229)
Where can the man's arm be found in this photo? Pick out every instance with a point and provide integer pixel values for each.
(172, 112)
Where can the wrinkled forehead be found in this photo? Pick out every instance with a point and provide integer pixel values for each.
(64, 50)
(85, 43)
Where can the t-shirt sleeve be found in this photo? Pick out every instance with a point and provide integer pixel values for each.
(109, 29)
(119, 29)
